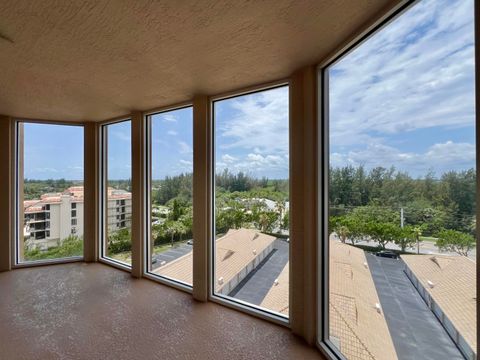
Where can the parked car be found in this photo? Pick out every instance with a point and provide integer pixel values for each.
(190, 242)
(387, 254)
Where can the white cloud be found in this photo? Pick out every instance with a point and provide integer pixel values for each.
(168, 118)
(123, 136)
(44, 170)
(185, 162)
(184, 148)
(416, 73)
(255, 164)
(440, 157)
(172, 132)
(228, 159)
(259, 122)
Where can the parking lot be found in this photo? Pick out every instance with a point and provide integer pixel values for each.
(171, 254)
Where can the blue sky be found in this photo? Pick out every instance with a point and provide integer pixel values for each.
(53, 152)
(172, 143)
(119, 154)
(405, 97)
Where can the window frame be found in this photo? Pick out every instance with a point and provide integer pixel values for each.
(15, 240)
(323, 343)
(227, 301)
(147, 118)
(102, 193)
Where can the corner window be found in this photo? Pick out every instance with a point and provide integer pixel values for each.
(251, 197)
(49, 176)
(116, 242)
(400, 246)
(170, 242)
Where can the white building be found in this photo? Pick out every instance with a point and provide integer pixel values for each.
(55, 216)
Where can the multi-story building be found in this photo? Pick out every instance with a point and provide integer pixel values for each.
(55, 216)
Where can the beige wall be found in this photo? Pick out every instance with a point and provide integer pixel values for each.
(5, 193)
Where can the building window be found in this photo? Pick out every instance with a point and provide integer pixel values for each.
(250, 246)
(74, 205)
(399, 247)
(73, 231)
(74, 221)
(74, 213)
(170, 242)
(53, 168)
(116, 168)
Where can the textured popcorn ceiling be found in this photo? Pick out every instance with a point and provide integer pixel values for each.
(93, 60)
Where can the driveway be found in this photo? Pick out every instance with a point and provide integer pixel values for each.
(171, 254)
(415, 331)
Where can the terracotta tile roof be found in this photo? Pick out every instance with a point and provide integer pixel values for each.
(353, 307)
(234, 251)
(452, 286)
(76, 195)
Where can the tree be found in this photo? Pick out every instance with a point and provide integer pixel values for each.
(408, 236)
(383, 232)
(455, 241)
(171, 228)
(286, 220)
(348, 227)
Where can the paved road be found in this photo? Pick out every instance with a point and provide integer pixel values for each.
(171, 254)
(416, 332)
(426, 247)
(256, 285)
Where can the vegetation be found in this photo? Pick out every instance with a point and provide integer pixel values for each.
(367, 206)
(71, 246)
(455, 241)
(33, 189)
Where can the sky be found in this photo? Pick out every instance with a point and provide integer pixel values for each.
(53, 151)
(119, 150)
(405, 97)
(172, 143)
(251, 134)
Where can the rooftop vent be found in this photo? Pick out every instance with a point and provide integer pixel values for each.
(275, 282)
(431, 285)
(220, 280)
(254, 251)
(365, 265)
(378, 307)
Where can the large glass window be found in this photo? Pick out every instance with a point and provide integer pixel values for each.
(117, 195)
(170, 246)
(401, 190)
(251, 242)
(50, 182)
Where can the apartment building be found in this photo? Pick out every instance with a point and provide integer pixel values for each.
(56, 216)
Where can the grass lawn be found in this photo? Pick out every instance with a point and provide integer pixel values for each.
(125, 257)
(429, 239)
